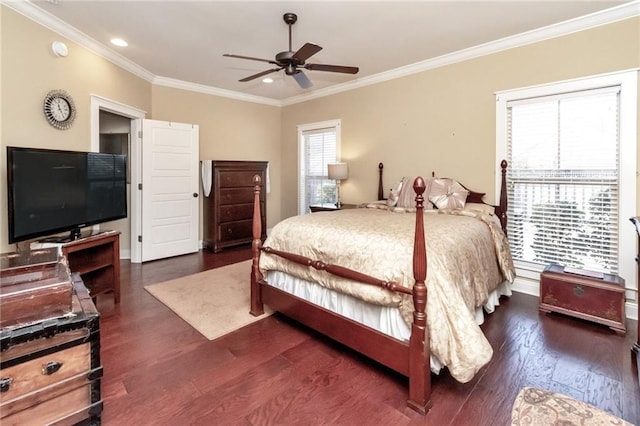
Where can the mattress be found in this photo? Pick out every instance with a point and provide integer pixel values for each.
(385, 319)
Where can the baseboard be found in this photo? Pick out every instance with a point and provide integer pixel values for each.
(532, 287)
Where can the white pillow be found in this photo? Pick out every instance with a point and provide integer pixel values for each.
(407, 196)
(392, 199)
(447, 194)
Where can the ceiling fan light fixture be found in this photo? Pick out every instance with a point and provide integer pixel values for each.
(292, 62)
(290, 69)
(267, 80)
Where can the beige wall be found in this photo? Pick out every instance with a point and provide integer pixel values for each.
(229, 129)
(443, 120)
(440, 120)
(29, 70)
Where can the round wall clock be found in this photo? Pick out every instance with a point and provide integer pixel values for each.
(59, 109)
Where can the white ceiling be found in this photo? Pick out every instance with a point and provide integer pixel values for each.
(181, 43)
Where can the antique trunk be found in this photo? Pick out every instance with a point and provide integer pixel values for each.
(50, 370)
(583, 294)
(34, 285)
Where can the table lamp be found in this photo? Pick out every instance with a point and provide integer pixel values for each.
(338, 172)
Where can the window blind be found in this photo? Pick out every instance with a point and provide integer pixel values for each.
(563, 179)
(319, 150)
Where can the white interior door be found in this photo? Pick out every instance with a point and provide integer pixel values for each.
(170, 187)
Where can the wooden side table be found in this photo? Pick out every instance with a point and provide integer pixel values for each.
(328, 207)
(97, 259)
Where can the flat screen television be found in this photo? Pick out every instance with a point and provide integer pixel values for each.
(52, 191)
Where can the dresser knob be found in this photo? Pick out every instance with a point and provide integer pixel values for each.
(578, 290)
(51, 367)
(5, 384)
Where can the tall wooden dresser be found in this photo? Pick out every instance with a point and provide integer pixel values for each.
(228, 210)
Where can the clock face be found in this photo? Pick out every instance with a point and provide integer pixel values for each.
(59, 109)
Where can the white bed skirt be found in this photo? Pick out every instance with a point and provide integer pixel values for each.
(384, 319)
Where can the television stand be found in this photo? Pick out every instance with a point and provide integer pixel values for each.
(75, 234)
(96, 257)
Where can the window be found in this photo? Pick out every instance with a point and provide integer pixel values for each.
(319, 144)
(571, 149)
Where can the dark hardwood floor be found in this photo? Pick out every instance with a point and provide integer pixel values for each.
(158, 370)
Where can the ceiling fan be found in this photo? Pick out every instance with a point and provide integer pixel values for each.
(292, 62)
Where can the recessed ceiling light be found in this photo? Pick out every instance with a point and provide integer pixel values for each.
(267, 80)
(119, 42)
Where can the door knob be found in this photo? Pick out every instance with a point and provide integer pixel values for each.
(195, 195)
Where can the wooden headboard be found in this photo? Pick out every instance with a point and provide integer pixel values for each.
(473, 197)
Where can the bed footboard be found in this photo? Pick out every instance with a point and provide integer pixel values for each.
(416, 356)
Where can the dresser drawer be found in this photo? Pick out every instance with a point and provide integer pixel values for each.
(44, 371)
(236, 196)
(235, 212)
(234, 179)
(241, 230)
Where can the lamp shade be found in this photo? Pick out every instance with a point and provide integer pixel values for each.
(338, 171)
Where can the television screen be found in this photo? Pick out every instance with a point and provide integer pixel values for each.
(51, 191)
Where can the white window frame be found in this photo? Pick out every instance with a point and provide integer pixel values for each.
(628, 82)
(301, 153)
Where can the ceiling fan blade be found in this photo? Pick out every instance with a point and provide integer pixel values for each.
(260, 74)
(302, 79)
(332, 68)
(306, 51)
(250, 58)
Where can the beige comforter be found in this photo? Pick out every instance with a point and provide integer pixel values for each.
(467, 258)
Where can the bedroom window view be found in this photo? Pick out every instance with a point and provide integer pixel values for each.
(319, 148)
(563, 179)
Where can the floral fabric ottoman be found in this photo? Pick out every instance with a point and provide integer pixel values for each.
(542, 407)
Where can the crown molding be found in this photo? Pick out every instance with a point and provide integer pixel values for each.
(608, 16)
(40, 16)
(210, 90)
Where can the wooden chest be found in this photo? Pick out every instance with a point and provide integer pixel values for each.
(593, 298)
(228, 210)
(34, 285)
(50, 371)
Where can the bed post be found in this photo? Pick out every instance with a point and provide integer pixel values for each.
(256, 277)
(502, 213)
(380, 188)
(419, 352)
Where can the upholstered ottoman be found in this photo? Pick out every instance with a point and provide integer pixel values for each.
(542, 407)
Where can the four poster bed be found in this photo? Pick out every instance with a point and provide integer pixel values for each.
(360, 276)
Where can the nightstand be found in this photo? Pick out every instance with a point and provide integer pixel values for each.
(329, 207)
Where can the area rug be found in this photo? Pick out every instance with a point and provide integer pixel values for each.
(540, 407)
(214, 302)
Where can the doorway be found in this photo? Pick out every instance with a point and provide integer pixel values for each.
(171, 178)
(121, 120)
